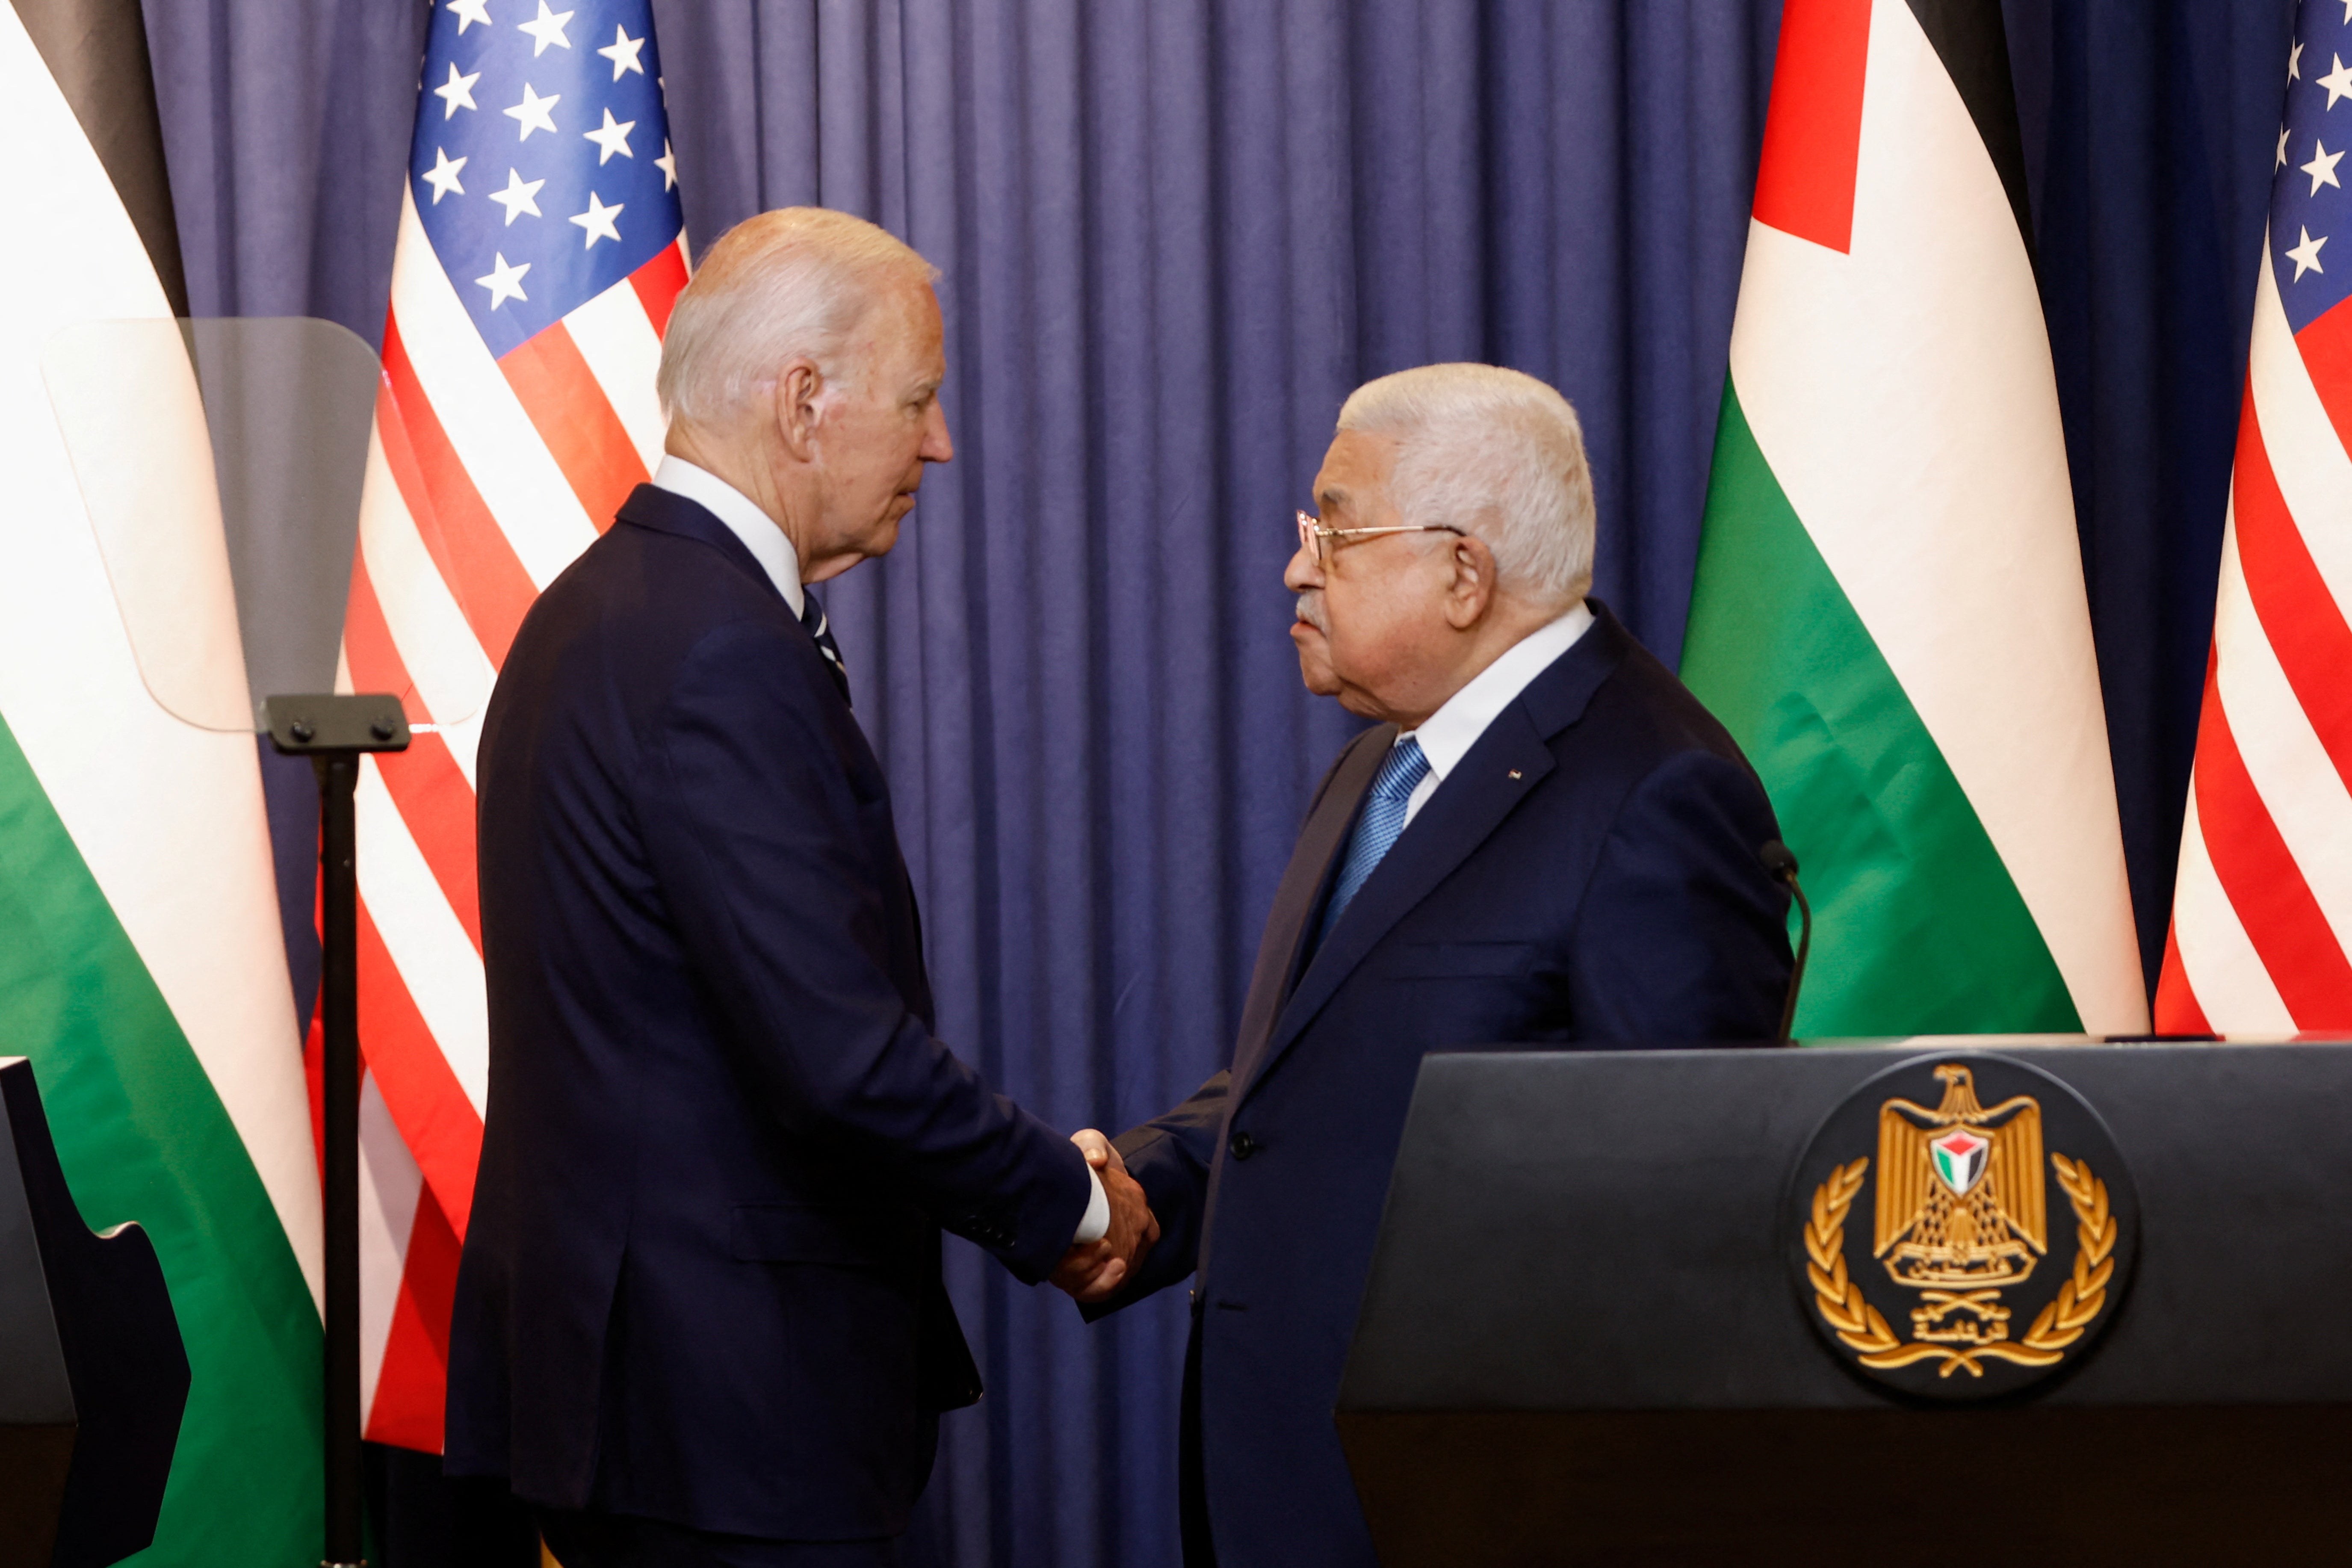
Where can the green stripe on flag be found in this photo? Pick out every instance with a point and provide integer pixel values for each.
(142, 1136)
(1917, 926)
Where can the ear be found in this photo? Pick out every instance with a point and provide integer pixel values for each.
(1472, 589)
(800, 388)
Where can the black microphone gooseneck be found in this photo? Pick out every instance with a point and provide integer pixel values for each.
(1782, 864)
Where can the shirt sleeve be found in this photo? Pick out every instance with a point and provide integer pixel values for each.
(1096, 1223)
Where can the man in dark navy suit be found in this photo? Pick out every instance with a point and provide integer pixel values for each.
(1544, 837)
(700, 1318)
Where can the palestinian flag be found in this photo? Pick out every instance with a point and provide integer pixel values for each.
(141, 966)
(1889, 611)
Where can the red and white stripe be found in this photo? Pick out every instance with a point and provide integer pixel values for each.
(2262, 922)
(486, 477)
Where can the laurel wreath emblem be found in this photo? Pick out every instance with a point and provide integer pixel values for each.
(1839, 1299)
(2082, 1296)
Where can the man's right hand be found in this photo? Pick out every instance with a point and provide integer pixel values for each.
(1096, 1271)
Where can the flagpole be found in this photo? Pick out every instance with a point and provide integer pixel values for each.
(334, 731)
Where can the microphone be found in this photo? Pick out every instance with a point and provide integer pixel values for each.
(1782, 864)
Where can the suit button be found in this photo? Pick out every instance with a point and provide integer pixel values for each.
(1243, 1145)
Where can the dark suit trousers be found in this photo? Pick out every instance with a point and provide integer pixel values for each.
(590, 1539)
(1192, 1487)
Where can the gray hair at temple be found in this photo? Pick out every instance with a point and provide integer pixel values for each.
(784, 284)
(1496, 454)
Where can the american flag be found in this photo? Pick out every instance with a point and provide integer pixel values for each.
(2262, 917)
(541, 249)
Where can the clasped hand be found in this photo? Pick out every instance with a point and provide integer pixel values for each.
(1093, 1271)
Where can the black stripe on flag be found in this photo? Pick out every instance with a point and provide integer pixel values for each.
(1972, 43)
(97, 52)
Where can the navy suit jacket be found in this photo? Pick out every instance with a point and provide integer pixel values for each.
(701, 1280)
(1586, 875)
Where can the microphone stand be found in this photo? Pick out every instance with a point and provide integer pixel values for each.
(1782, 864)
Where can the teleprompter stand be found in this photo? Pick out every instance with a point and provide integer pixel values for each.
(334, 731)
(1584, 1339)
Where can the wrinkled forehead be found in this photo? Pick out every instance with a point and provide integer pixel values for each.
(899, 337)
(1356, 472)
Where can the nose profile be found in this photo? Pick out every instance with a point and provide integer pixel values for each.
(1303, 572)
(937, 446)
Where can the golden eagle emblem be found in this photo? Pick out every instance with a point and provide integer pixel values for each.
(1960, 1189)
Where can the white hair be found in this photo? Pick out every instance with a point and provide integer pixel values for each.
(1496, 454)
(776, 286)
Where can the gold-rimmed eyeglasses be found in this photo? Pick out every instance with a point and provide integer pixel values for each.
(1312, 534)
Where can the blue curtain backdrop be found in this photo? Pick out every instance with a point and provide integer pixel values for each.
(1174, 234)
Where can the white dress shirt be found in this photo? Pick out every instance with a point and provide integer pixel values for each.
(1447, 735)
(774, 553)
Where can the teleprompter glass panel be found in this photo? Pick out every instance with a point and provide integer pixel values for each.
(222, 465)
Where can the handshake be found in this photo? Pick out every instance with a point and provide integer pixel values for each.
(1094, 1270)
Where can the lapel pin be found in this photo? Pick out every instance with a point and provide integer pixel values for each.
(1515, 773)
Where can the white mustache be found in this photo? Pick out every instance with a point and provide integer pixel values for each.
(1310, 610)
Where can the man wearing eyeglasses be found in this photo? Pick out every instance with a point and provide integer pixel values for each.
(1542, 837)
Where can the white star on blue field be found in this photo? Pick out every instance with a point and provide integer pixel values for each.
(2310, 212)
(541, 166)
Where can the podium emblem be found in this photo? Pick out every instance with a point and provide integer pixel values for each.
(1924, 1246)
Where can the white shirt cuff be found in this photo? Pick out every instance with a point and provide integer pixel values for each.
(1096, 1223)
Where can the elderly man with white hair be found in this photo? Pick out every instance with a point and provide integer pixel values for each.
(1543, 838)
(700, 1318)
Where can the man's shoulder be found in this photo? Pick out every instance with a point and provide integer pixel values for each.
(609, 641)
(1639, 734)
(648, 588)
(1649, 703)
(1609, 693)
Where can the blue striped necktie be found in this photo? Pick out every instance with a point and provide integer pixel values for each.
(1378, 828)
(813, 618)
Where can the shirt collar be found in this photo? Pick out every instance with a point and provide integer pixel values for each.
(744, 518)
(1447, 735)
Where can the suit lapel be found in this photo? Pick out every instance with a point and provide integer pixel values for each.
(1300, 896)
(1508, 762)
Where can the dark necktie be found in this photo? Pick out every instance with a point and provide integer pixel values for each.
(813, 618)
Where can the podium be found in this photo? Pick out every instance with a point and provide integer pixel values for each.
(1590, 1335)
(93, 1375)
